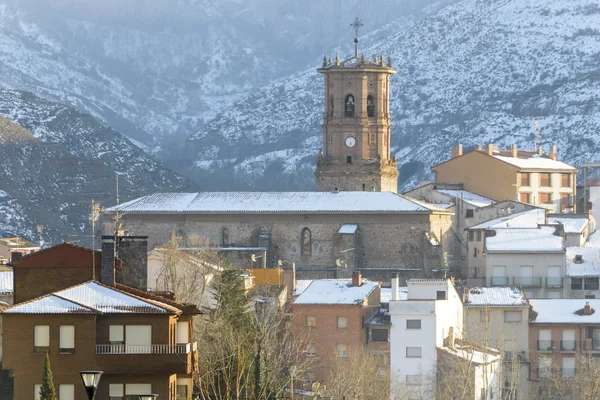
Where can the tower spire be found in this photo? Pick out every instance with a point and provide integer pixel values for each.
(356, 24)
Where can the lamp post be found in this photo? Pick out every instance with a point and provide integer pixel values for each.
(90, 381)
(147, 396)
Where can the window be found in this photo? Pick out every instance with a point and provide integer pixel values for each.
(525, 179)
(331, 106)
(309, 378)
(545, 198)
(475, 251)
(311, 321)
(544, 365)
(116, 391)
(568, 367)
(565, 201)
(311, 351)
(525, 197)
(483, 316)
(225, 237)
(568, 340)
(138, 388)
(115, 334)
(565, 180)
(545, 339)
(66, 392)
(513, 316)
(379, 335)
(341, 350)
(441, 295)
(471, 236)
(349, 159)
(182, 392)
(478, 236)
(370, 107)
(413, 380)
(545, 179)
(590, 296)
(182, 332)
(138, 339)
(590, 283)
(469, 214)
(373, 139)
(413, 352)
(349, 106)
(67, 339)
(576, 283)
(306, 241)
(413, 324)
(41, 338)
(36, 391)
(342, 322)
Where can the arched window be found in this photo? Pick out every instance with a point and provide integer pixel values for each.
(306, 242)
(331, 106)
(224, 237)
(349, 106)
(370, 107)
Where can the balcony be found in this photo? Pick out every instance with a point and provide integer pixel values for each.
(499, 280)
(554, 282)
(527, 281)
(544, 345)
(147, 359)
(591, 344)
(568, 345)
(568, 372)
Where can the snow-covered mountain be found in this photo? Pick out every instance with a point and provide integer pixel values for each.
(477, 71)
(52, 170)
(156, 70)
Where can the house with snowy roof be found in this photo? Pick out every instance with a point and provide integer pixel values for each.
(583, 272)
(328, 316)
(577, 227)
(527, 176)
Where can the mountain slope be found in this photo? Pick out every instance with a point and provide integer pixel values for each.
(51, 175)
(477, 71)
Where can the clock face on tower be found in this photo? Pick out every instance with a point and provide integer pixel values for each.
(350, 141)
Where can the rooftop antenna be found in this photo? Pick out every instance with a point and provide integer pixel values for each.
(356, 25)
(536, 135)
(93, 220)
(117, 218)
(40, 229)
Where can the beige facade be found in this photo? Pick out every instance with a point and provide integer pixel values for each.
(525, 176)
(356, 128)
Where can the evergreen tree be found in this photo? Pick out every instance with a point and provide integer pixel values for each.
(47, 392)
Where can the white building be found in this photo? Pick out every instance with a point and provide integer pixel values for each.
(583, 272)
(426, 323)
(577, 227)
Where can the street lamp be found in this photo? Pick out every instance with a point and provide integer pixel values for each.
(90, 381)
(147, 396)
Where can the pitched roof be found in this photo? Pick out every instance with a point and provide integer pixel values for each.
(380, 318)
(91, 297)
(562, 311)
(18, 243)
(495, 297)
(468, 197)
(336, 292)
(524, 219)
(525, 240)
(276, 202)
(589, 265)
(571, 225)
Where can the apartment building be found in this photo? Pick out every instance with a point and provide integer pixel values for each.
(13, 248)
(498, 317)
(142, 344)
(329, 315)
(583, 272)
(526, 176)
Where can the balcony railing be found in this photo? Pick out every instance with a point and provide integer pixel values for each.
(568, 345)
(554, 282)
(527, 281)
(591, 344)
(183, 348)
(544, 345)
(499, 280)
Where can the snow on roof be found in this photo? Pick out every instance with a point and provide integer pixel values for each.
(18, 243)
(336, 292)
(468, 197)
(562, 311)
(593, 240)
(6, 282)
(380, 318)
(589, 265)
(385, 295)
(49, 304)
(468, 353)
(275, 202)
(112, 301)
(524, 219)
(495, 297)
(535, 161)
(301, 285)
(525, 240)
(348, 228)
(571, 225)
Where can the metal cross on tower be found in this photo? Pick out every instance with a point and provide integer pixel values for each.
(356, 25)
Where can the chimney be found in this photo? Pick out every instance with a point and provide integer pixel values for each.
(540, 151)
(395, 288)
(552, 153)
(107, 266)
(133, 253)
(514, 151)
(490, 148)
(457, 150)
(587, 310)
(356, 279)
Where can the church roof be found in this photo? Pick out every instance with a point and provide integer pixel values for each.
(358, 63)
(276, 202)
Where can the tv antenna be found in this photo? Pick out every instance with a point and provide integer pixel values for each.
(40, 230)
(93, 220)
(536, 135)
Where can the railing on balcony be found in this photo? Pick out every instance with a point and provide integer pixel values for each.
(527, 281)
(544, 345)
(183, 348)
(568, 372)
(591, 344)
(554, 282)
(499, 280)
(568, 345)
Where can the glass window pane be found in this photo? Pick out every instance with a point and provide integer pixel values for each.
(413, 352)
(413, 324)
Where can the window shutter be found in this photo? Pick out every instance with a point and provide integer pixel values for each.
(66, 392)
(138, 388)
(182, 332)
(67, 337)
(116, 390)
(42, 335)
(115, 333)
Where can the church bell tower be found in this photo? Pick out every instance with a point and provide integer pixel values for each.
(356, 125)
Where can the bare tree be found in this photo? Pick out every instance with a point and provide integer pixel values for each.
(583, 383)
